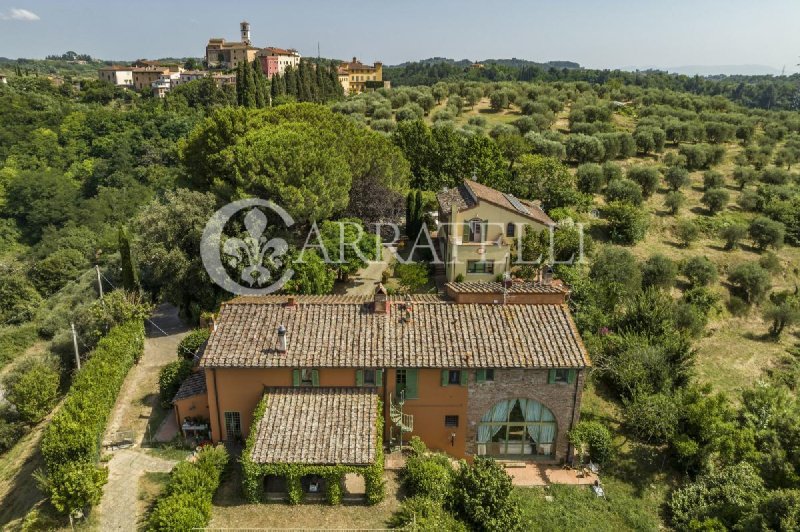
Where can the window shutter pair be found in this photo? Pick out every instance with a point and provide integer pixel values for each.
(467, 232)
(445, 377)
(359, 377)
(411, 384)
(462, 378)
(480, 375)
(314, 377)
(295, 377)
(551, 376)
(571, 376)
(484, 230)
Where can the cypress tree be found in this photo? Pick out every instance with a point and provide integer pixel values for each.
(418, 212)
(239, 85)
(291, 82)
(130, 271)
(249, 86)
(260, 84)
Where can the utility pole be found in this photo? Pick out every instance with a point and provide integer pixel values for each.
(75, 344)
(99, 282)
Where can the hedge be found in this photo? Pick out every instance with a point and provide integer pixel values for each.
(74, 435)
(187, 504)
(253, 473)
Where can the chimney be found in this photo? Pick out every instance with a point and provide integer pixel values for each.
(380, 300)
(291, 301)
(282, 339)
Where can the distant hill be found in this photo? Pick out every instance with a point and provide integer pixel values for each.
(728, 70)
(513, 63)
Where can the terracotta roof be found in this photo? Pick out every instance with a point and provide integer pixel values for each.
(280, 51)
(439, 335)
(318, 426)
(470, 193)
(355, 64)
(116, 67)
(492, 287)
(195, 384)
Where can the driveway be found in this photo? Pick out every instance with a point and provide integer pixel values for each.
(133, 412)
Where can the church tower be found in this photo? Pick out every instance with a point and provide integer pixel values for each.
(244, 26)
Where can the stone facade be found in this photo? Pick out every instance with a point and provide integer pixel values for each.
(562, 399)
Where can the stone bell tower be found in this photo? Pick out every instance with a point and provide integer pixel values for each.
(244, 27)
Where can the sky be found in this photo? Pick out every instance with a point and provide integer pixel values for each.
(596, 34)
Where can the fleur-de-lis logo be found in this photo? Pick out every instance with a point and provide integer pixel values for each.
(252, 250)
(253, 253)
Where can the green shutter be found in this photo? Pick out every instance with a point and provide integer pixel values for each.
(314, 377)
(379, 378)
(359, 377)
(445, 377)
(467, 237)
(411, 384)
(295, 377)
(484, 230)
(571, 376)
(463, 377)
(551, 376)
(480, 375)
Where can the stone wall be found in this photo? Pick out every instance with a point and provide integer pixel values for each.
(560, 398)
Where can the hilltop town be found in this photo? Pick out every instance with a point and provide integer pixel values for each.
(223, 57)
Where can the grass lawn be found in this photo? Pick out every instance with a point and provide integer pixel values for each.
(482, 108)
(151, 485)
(231, 510)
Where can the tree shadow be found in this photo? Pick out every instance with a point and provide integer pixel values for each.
(763, 337)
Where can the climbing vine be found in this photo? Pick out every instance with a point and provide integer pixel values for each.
(254, 473)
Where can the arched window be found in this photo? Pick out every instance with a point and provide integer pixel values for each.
(511, 229)
(517, 427)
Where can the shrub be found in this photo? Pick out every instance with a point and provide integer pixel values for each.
(689, 319)
(744, 175)
(738, 306)
(751, 280)
(676, 177)
(652, 418)
(425, 515)
(726, 494)
(659, 271)
(627, 223)
(750, 201)
(594, 438)
(32, 387)
(590, 178)
(766, 232)
(715, 199)
(176, 513)
(686, 231)
(190, 343)
(700, 271)
(733, 234)
(74, 485)
(170, 379)
(482, 496)
(611, 171)
(673, 201)
(624, 190)
(14, 340)
(775, 176)
(713, 179)
(11, 431)
(412, 276)
(191, 486)
(428, 475)
(648, 177)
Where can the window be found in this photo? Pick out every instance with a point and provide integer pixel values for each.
(561, 376)
(369, 377)
(517, 427)
(233, 425)
(511, 229)
(475, 228)
(451, 421)
(484, 375)
(305, 377)
(406, 382)
(480, 266)
(454, 377)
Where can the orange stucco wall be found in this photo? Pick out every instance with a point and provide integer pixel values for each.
(194, 406)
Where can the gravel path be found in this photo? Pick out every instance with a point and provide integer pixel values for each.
(118, 508)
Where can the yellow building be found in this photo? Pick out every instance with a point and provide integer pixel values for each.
(356, 77)
(478, 226)
(144, 77)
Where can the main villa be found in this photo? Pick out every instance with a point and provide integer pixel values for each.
(493, 370)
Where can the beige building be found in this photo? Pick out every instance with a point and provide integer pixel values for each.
(224, 54)
(357, 77)
(144, 77)
(117, 75)
(477, 227)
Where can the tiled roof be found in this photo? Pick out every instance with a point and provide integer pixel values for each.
(439, 335)
(195, 384)
(280, 51)
(318, 426)
(465, 195)
(492, 287)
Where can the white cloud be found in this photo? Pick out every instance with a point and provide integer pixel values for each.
(19, 14)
